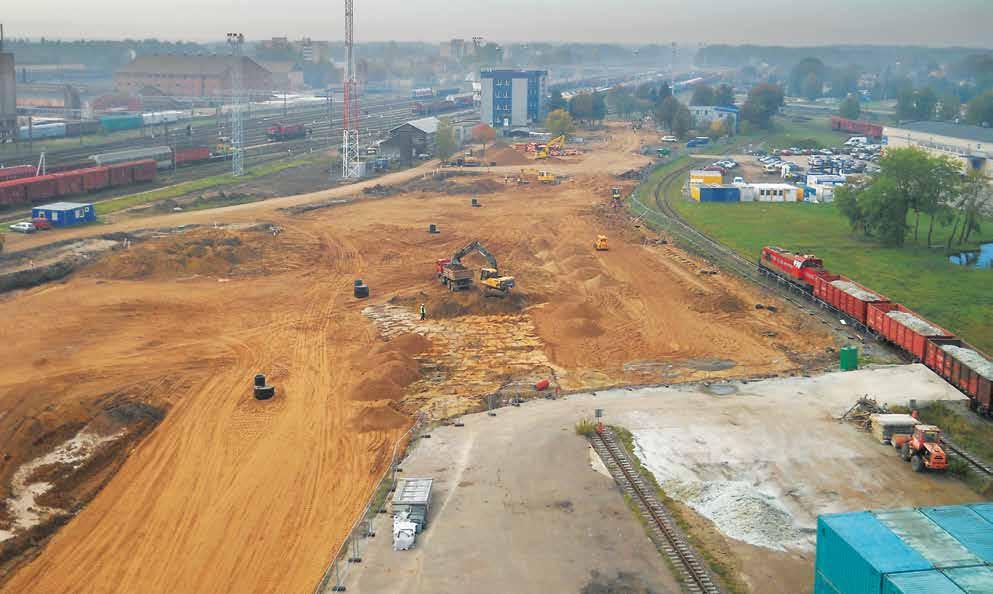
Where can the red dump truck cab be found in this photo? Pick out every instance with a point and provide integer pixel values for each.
(800, 269)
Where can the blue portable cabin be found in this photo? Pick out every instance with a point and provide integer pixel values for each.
(65, 214)
(968, 525)
(720, 193)
(919, 582)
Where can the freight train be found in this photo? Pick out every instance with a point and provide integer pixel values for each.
(963, 366)
(281, 132)
(449, 103)
(165, 157)
(41, 188)
(873, 131)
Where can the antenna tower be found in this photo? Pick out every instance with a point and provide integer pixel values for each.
(350, 166)
(235, 40)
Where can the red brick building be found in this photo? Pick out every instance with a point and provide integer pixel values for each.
(190, 76)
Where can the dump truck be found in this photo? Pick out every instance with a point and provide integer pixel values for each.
(453, 274)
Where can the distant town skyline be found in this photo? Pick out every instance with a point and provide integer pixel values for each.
(760, 22)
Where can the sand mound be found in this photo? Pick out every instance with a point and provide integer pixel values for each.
(409, 344)
(504, 154)
(474, 302)
(207, 252)
(378, 418)
(392, 368)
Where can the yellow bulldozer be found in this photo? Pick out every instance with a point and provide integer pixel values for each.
(600, 243)
(547, 177)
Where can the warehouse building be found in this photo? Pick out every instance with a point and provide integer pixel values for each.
(65, 214)
(512, 98)
(933, 550)
(971, 145)
(703, 114)
(190, 76)
(410, 139)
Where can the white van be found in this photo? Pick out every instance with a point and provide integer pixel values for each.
(857, 141)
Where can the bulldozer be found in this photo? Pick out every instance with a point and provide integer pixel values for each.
(546, 177)
(453, 274)
(600, 243)
(922, 448)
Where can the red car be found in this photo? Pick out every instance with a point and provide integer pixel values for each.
(42, 224)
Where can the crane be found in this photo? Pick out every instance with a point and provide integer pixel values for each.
(457, 277)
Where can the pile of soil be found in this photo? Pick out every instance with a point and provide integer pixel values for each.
(502, 153)
(392, 367)
(474, 302)
(378, 418)
(208, 252)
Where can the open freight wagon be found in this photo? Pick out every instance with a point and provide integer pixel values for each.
(846, 295)
(903, 327)
(965, 367)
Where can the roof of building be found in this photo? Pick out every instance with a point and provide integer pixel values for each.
(64, 205)
(501, 72)
(278, 67)
(428, 125)
(413, 491)
(723, 108)
(963, 131)
(181, 64)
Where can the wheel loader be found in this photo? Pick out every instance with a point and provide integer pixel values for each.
(923, 448)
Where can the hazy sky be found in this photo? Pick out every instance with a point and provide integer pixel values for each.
(767, 22)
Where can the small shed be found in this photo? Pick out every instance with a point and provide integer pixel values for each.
(720, 193)
(413, 497)
(65, 214)
(413, 138)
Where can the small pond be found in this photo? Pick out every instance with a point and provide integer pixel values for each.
(981, 259)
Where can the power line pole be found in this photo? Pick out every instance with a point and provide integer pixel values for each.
(350, 166)
(235, 40)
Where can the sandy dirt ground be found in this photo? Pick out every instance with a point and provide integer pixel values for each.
(749, 461)
(215, 491)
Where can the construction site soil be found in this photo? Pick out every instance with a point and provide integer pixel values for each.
(129, 384)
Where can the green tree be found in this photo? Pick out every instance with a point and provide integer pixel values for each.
(906, 107)
(682, 121)
(846, 201)
(444, 140)
(483, 134)
(623, 102)
(724, 95)
(599, 107)
(844, 81)
(950, 107)
(980, 110)
(970, 203)
(925, 102)
(717, 129)
(702, 95)
(850, 107)
(763, 101)
(560, 123)
(581, 107)
(665, 110)
(812, 87)
(557, 101)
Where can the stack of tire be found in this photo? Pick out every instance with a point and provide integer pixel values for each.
(261, 390)
(361, 290)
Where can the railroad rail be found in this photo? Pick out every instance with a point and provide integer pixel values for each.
(975, 463)
(693, 572)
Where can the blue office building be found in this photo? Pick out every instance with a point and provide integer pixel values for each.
(512, 98)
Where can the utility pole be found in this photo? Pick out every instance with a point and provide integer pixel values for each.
(235, 40)
(672, 74)
(350, 166)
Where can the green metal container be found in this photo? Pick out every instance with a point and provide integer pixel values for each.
(848, 357)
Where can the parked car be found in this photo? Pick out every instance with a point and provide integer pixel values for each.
(42, 224)
(669, 139)
(23, 227)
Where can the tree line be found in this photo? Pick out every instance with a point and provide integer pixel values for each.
(913, 183)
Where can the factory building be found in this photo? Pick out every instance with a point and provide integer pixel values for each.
(512, 98)
(8, 96)
(409, 140)
(710, 113)
(971, 145)
(190, 76)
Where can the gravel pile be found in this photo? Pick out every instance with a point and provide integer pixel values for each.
(974, 360)
(916, 324)
(856, 291)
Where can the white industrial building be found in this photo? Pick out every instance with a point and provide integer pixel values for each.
(709, 113)
(972, 145)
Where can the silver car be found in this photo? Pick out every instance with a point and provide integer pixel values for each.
(23, 227)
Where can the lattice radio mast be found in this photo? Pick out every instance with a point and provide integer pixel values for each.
(235, 40)
(350, 166)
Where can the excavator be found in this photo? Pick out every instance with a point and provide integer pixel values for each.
(453, 274)
(555, 143)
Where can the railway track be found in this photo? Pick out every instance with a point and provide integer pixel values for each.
(977, 464)
(671, 541)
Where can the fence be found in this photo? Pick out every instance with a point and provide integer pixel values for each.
(350, 551)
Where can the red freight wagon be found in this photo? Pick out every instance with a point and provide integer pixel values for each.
(68, 183)
(800, 269)
(191, 155)
(967, 369)
(143, 171)
(903, 327)
(856, 127)
(120, 174)
(12, 192)
(845, 295)
(95, 178)
(17, 172)
(40, 188)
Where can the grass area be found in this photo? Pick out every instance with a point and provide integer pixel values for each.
(787, 132)
(205, 183)
(727, 573)
(956, 297)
